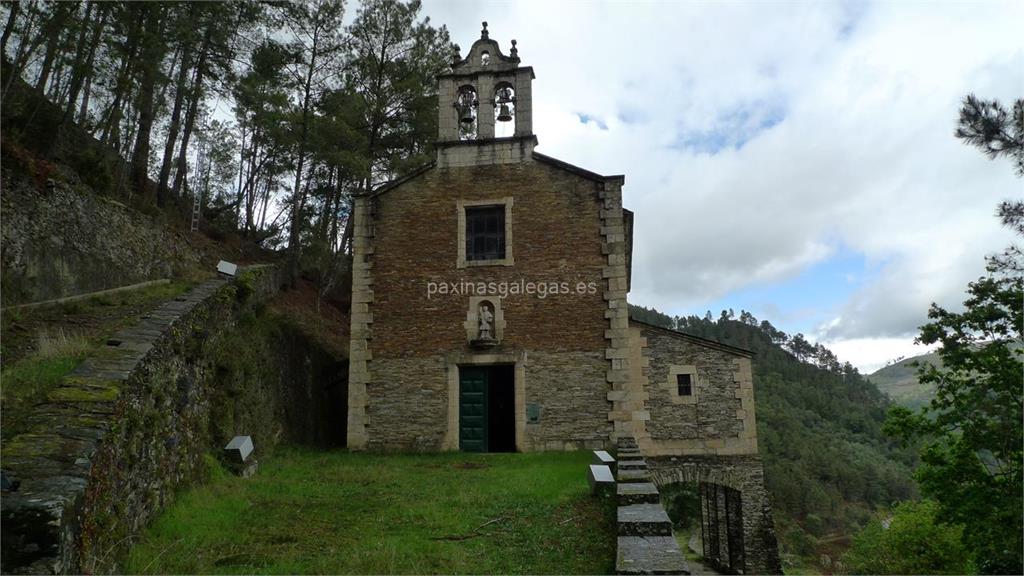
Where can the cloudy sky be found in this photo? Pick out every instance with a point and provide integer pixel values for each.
(793, 159)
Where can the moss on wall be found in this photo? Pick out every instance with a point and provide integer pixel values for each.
(130, 427)
(270, 380)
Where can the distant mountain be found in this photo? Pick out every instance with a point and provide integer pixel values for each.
(899, 381)
(828, 466)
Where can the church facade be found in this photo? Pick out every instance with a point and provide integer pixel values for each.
(489, 313)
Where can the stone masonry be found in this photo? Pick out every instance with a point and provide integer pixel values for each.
(67, 240)
(118, 435)
(744, 474)
(718, 419)
(406, 240)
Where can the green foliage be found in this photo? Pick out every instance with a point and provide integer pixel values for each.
(827, 462)
(94, 166)
(245, 286)
(242, 358)
(33, 368)
(682, 503)
(997, 131)
(322, 110)
(912, 541)
(26, 383)
(308, 511)
(970, 434)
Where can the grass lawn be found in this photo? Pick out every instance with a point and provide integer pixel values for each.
(39, 346)
(308, 511)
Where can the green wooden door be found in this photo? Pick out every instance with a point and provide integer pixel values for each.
(472, 409)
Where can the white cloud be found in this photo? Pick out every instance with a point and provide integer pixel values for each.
(870, 354)
(845, 114)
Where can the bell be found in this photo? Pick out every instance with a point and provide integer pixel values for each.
(466, 114)
(504, 114)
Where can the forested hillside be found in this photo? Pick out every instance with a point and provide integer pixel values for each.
(827, 463)
(269, 115)
(899, 381)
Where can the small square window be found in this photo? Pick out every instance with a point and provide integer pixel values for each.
(485, 233)
(684, 384)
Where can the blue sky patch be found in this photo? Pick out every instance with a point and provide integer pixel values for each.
(852, 12)
(631, 115)
(587, 119)
(731, 129)
(812, 297)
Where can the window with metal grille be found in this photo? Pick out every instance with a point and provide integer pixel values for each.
(485, 233)
(684, 384)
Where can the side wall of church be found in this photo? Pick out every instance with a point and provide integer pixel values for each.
(411, 332)
(718, 418)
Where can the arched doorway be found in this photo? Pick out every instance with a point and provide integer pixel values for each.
(737, 535)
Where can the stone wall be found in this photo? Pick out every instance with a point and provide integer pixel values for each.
(717, 419)
(744, 474)
(130, 426)
(61, 240)
(483, 152)
(407, 238)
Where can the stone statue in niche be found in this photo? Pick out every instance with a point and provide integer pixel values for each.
(482, 323)
(486, 321)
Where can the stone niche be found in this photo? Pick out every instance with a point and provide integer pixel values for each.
(485, 322)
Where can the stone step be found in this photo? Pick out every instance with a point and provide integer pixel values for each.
(643, 520)
(627, 454)
(633, 476)
(600, 479)
(632, 465)
(637, 493)
(650, 555)
(603, 458)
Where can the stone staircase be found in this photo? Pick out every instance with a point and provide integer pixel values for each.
(645, 541)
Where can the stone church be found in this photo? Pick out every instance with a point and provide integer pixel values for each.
(489, 313)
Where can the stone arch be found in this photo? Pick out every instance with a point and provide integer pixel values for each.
(696, 473)
(734, 507)
(504, 102)
(466, 117)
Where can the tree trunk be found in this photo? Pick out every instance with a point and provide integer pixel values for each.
(53, 31)
(131, 124)
(346, 235)
(241, 170)
(111, 123)
(83, 112)
(152, 54)
(59, 81)
(298, 197)
(175, 125)
(84, 72)
(181, 175)
(164, 86)
(9, 28)
(80, 44)
(266, 202)
(78, 64)
(250, 187)
(26, 47)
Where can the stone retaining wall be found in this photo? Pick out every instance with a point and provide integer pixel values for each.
(66, 240)
(120, 434)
